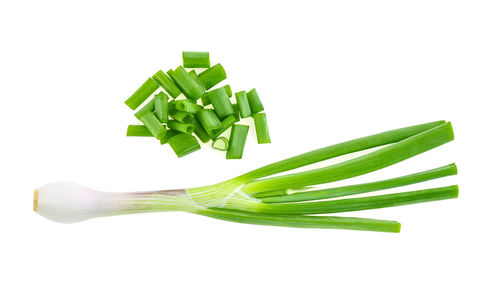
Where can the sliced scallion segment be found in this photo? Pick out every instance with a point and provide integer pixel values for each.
(181, 127)
(169, 134)
(183, 144)
(225, 124)
(142, 94)
(166, 83)
(153, 125)
(200, 132)
(149, 107)
(254, 101)
(205, 100)
(195, 59)
(212, 76)
(138, 131)
(161, 107)
(209, 120)
(183, 117)
(243, 105)
(261, 128)
(193, 74)
(221, 143)
(187, 84)
(228, 90)
(221, 103)
(237, 141)
(187, 106)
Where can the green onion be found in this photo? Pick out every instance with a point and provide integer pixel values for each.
(212, 76)
(187, 106)
(161, 107)
(183, 144)
(367, 163)
(149, 107)
(144, 91)
(200, 132)
(169, 134)
(166, 83)
(195, 59)
(341, 191)
(208, 120)
(183, 117)
(225, 124)
(221, 103)
(153, 125)
(193, 74)
(243, 105)
(188, 85)
(138, 131)
(261, 128)
(221, 143)
(181, 127)
(236, 112)
(205, 100)
(254, 101)
(228, 90)
(237, 141)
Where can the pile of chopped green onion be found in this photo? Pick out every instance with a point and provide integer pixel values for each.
(265, 197)
(174, 114)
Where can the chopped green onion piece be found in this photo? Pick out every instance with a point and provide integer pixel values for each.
(183, 117)
(225, 124)
(169, 134)
(193, 74)
(200, 132)
(149, 107)
(166, 83)
(181, 127)
(341, 191)
(243, 105)
(261, 128)
(141, 94)
(195, 59)
(183, 144)
(205, 100)
(221, 103)
(138, 131)
(237, 141)
(221, 143)
(212, 76)
(228, 90)
(254, 101)
(208, 120)
(236, 112)
(187, 106)
(161, 107)
(153, 125)
(187, 84)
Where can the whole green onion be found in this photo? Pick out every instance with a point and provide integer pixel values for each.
(261, 128)
(195, 59)
(153, 125)
(212, 76)
(221, 103)
(181, 127)
(183, 144)
(161, 107)
(254, 101)
(138, 131)
(141, 94)
(237, 141)
(208, 120)
(166, 83)
(188, 85)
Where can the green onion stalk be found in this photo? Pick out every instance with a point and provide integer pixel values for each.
(265, 196)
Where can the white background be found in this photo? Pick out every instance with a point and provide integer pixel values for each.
(326, 72)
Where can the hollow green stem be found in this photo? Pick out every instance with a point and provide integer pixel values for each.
(237, 141)
(254, 101)
(243, 105)
(435, 173)
(141, 94)
(183, 144)
(200, 132)
(153, 125)
(221, 103)
(181, 116)
(195, 59)
(209, 120)
(166, 83)
(180, 127)
(138, 131)
(161, 107)
(221, 143)
(188, 85)
(212, 76)
(261, 128)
